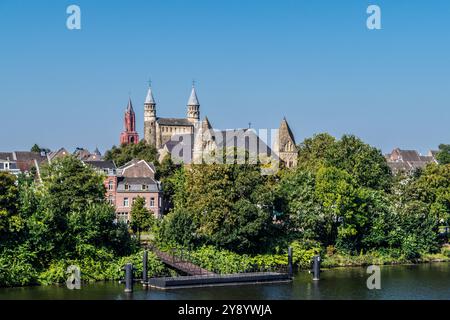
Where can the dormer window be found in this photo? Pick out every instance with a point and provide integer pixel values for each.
(127, 186)
(144, 187)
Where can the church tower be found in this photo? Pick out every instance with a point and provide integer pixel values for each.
(150, 118)
(287, 150)
(193, 107)
(129, 135)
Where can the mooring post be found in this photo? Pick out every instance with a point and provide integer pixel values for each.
(316, 267)
(128, 278)
(290, 270)
(144, 270)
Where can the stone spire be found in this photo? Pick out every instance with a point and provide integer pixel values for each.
(150, 118)
(193, 110)
(287, 150)
(149, 106)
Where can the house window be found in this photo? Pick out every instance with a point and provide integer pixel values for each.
(127, 186)
(110, 200)
(6, 165)
(133, 201)
(126, 202)
(152, 202)
(110, 185)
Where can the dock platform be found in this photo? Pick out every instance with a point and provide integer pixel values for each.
(166, 283)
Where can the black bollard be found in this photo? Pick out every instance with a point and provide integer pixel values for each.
(128, 278)
(290, 270)
(316, 268)
(144, 270)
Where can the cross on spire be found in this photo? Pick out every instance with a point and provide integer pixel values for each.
(193, 83)
(149, 83)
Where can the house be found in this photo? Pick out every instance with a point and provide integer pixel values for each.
(408, 161)
(124, 184)
(7, 165)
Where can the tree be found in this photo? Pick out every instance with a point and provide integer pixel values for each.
(35, 148)
(231, 205)
(178, 228)
(38, 149)
(9, 195)
(167, 174)
(71, 185)
(443, 156)
(141, 217)
(127, 152)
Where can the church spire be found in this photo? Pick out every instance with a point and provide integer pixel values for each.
(129, 135)
(149, 99)
(130, 106)
(193, 112)
(193, 100)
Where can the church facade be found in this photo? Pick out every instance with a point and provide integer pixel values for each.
(197, 139)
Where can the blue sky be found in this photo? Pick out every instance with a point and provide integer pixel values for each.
(313, 61)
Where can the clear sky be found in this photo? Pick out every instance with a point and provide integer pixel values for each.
(313, 61)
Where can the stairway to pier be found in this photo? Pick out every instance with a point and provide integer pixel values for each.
(180, 264)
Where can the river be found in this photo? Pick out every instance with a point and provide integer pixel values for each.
(424, 281)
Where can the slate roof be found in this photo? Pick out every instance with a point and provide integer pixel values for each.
(193, 100)
(6, 155)
(174, 122)
(102, 164)
(135, 184)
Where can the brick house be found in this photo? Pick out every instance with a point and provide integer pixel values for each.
(124, 184)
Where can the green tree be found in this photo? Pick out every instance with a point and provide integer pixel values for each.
(141, 218)
(9, 194)
(178, 228)
(71, 185)
(231, 205)
(443, 156)
(365, 163)
(127, 152)
(35, 148)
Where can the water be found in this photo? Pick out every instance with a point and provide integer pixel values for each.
(426, 281)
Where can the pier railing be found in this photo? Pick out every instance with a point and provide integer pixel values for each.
(182, 260)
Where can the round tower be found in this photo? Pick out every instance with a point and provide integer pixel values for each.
(150, 118)
(193, 107)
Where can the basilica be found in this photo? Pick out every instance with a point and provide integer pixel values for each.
(193, 139)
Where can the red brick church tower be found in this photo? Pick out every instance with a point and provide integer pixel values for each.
(129, 135)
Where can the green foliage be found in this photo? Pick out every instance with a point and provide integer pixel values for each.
(443, 156)
(100, 265)
(127, 152)
(178, 228)
(17, 266)
(141, 218)
(65, 220)
(365, 164)
(71, 185)
(231, 206)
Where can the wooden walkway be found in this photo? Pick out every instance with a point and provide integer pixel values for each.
(180, 264)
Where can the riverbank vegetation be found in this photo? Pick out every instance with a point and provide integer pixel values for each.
(60, 221)
(341, 202)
